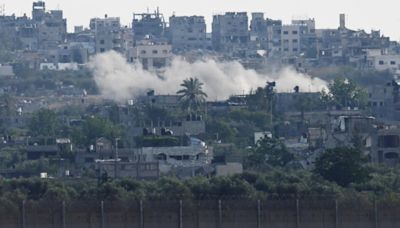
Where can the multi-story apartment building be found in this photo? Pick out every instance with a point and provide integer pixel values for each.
(187, 33)
(51, 27)
(266, 33)
(148, 26)
(107, 32)
(230, 31)
(152, 55)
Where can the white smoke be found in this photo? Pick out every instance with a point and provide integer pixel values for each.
(120, 80)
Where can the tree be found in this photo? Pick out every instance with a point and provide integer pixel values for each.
(44, 123)
(270, 151)
(192, 96)
(344, 93)
(342, 165)
(95, 128)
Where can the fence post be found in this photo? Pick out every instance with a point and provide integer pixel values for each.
(258, 214)
(180, 214)
(198, 214)
(23, 215)
(141, 214)
(219, 214)
(336, 214)
(376, 214)
(63, 214)
(297, 213)
(102, 215)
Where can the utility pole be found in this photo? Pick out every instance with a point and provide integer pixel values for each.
(116, 159)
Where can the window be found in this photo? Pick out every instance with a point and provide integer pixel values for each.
(295, 32)
(388, 141)
(392, 62)
(295, 49)
(381, 62)
(155, 52)
(295, 41)
(102, 50)
(143, 52)
(89, 160)
(392, 155)
(102, 41)
(285, 32)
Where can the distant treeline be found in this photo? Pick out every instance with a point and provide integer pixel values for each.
(274, 184)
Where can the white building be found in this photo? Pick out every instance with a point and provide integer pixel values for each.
(384, 62)
(150, 54)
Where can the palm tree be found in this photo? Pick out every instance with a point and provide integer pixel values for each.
(192, 95)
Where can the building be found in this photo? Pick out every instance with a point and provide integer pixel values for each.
(152, 55)
(299, 38)
(187, 33)
(118, 169)
(196, 155)
(230, 31)
(384, 101)
(266, 33)
(148, 26)
(387, 146)
(51, 27)
(107, 32)
(6, 71)
(383, 62)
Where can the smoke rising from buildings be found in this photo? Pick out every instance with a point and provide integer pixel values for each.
(119, 80)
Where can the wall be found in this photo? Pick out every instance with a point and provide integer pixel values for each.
(203, 214)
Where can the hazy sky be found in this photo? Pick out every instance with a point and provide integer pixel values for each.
(361, 14)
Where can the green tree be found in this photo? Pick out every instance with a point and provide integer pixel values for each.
(342, 165)
(344, 93)
(192, 96)
(44, 123)
(94, 128)
(269, 151)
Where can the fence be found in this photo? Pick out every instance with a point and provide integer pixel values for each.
(201, 214)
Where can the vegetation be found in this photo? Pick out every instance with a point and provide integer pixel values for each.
(345, 93)
(278, 183)
(94, 128)
(192, 96)
(44, 123)
(269, 151)
(343, 166)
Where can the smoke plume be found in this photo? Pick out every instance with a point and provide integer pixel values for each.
(120, 80)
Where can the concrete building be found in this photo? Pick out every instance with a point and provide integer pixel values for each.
(146, 162)
(230, 31)
(187, 33)
(387, 146)
(196, 155)
(6, 71)
(152, 55)
(148, 26)
(299, 38)
(107, 32)
(384, 101)
(266, 33)
(51, 26)
(383, 62)
(118, 169)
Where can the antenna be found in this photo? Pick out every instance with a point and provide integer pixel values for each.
(2, 10)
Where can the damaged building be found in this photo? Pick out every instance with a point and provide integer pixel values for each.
(187, 33)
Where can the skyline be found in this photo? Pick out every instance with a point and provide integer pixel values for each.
(372, 16)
